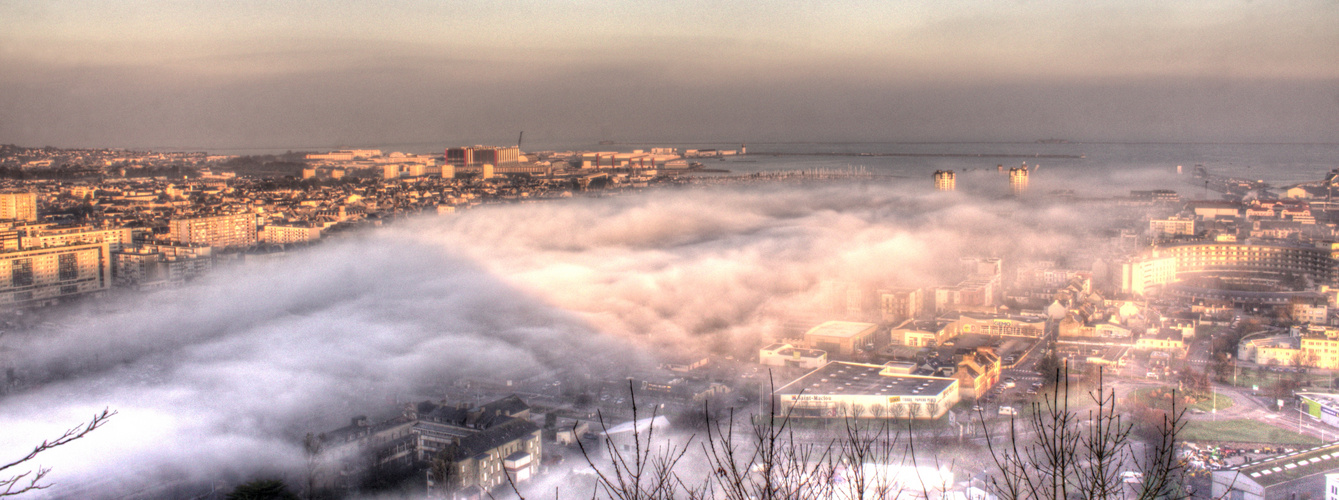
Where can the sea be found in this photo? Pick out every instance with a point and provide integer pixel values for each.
(1133, 165)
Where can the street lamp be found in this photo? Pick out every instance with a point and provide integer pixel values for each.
(1215, 402)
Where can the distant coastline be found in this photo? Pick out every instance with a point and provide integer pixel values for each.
(930, 155)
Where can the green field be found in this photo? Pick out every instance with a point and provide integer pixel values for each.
(1203, 403)
(1248, 377)
(1242, 431)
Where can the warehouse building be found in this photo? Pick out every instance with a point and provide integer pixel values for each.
(1286, 476)
(842, 337)
(859, 390)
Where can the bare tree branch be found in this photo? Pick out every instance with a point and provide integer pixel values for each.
(31, 479)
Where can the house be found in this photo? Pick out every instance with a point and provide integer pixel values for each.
(470, 448)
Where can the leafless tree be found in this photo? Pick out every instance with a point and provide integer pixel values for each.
(32, 478)
(1050, 452)
(313, 446)
(645, 472)
(1069, 455)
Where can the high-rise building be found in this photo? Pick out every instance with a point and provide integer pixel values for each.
(44, 236)
(156, 265)
(945, 180)
(238, 230)
(46, 275)
(288, 233)
(1018, 180)
(1140, 275)
(18, 206)
(477, 156)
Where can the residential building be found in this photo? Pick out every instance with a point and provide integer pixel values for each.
(478, 445)
(1143, 275)
(477, 156)
(901, 304)
(1172, 226)
(219, 231)
(18, 206)
(1271, 349)
(43, 276)
(945, 180)
(1259, 258)
(1018, 180)
(284, 234)
(154, 265)
(52, 236)
(978, 371)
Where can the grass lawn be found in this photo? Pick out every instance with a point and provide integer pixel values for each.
(1247, 377)
(1242, 431)
(1203, 403)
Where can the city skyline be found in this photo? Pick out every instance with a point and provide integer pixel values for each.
(295, 74)
(289, 247)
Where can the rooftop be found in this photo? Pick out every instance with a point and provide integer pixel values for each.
(840, 378)
(1330, 400)
(840, 329)
(1292, 466)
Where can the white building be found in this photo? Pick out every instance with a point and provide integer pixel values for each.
(283, 234)
(1141, 275)
(858, 390)
(790, 356)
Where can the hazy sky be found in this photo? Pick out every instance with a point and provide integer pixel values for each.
(325, 73)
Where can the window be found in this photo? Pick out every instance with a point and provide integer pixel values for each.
(21, 272)
(69, 266)
(69, 289)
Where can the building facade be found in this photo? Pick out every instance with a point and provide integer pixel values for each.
(220, 231)
(160, 265)
(1286, 476)
(116, 238)
(786, 355)
(1143, 275)
(1311, 262)
(901, 304)
(842, 337)
(18, 206)
(477, 156)
(284, 234)
(43, 276)
(1172, 226)
(842, 390)
(998, 325)
(1018, 180)
(945, 180)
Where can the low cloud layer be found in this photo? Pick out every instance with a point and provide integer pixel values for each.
(222, 376)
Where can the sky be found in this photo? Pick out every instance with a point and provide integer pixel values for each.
(307, 74)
